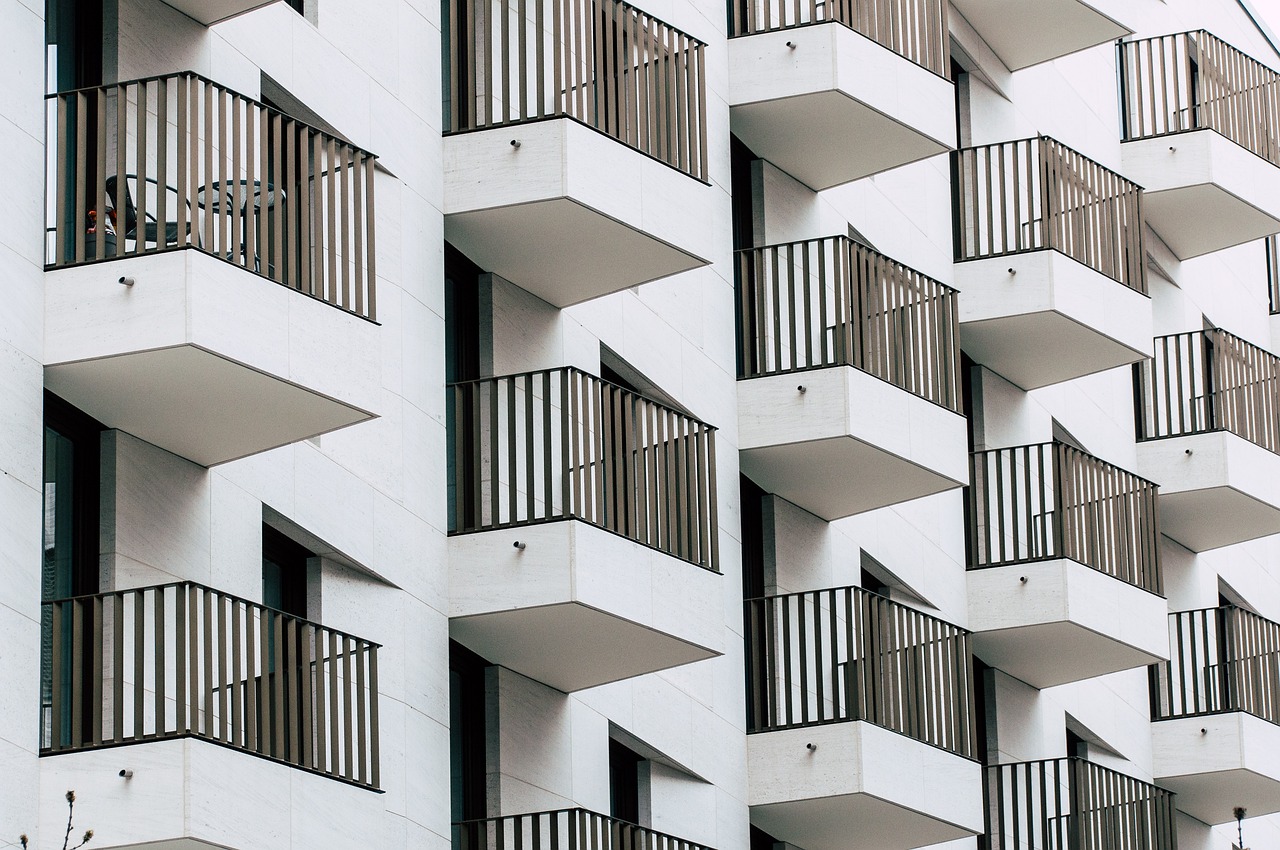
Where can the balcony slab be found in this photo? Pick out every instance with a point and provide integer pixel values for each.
(1024, 34)
(203, 358)
(210, 12)
(1216, 489)
(1041, 317)
(861, 787)
(1065, 623)
(571, 213)
(837, 106)
(1218, 762)
(579, 606)
(849, 443)
(1203, 191)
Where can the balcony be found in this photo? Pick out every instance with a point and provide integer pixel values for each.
(832, 92)
(563, 829)
(211, 693)
(1064, 565)
(1076, 804)
(1201, 135)
(1023, 34)
(1208, 429)
(848, 391)
(1050, 259)
(575, 150)
(1216, 711)
(584, 543)
(160, 314)
(209, 12)
(859, 721)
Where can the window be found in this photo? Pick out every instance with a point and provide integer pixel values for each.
(284, 573)
(624, 782)
(753, 567)
(467, 733)
(461, 363)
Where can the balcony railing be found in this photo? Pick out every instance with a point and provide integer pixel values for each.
(182, 660)
(829, 656)
(914, 29)
(1207, 381)
(1220, 660)
(562, 444)
(1036, 194)
(604, 63)
(564, 829)
(1050, 500)
(1195, 81)
(1074, 804)
(174, 162)
(829, 302)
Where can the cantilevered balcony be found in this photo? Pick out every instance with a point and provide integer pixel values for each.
(1201, 125)
(210, 12)
(1208, 426)
(1074, 804)
(831, 92)
(575, 150)
(210, 693)
(584, 543)
(174, 205)
(860, 724)
(1025, 34)
(848, 391)
(563, 829)
(1064, 565)
(1216, 707)
(1050, 261)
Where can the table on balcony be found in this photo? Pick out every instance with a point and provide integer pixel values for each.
(231, 198)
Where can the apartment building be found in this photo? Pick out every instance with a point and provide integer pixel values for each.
(654, 425)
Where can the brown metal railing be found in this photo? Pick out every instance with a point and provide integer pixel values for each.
(181, 660)
(1195, 81)
(914, 29)
(1037, 194)
(1050, 500)
(1220, 660)
(828, 656)
(602, 62)
(559, 443)
(1207, 381)
(1074, 804)
(173, 162)
(829, 302)
(563, 829)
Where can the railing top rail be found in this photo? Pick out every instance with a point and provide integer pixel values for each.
(230, 596)
(1201, 33)
(1092, 765)
(862, 592)
(693, 40)
(202, 78)
(1225, 333)
(1058, 444)
(1046, 138)
(575, 370)
(846, 240)
(579, 810)
(1225, 609)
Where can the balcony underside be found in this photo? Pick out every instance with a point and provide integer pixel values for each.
(837, 106)
(1206, 194)
(1234, 761)
(211, 11)
(849, 443)
(1067, 622)
(570, 214)
(1215, 489)
(578, 606)
(862, 788)
(204, 359)
(1024, 34)
(1052, 320)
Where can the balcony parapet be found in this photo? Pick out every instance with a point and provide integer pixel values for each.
(562, 829)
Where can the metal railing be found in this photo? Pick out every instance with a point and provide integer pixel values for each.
(1195, 81)
(828, 656)
(180, 660)
(828, 302)
(1074, 804)
(604, 63)
(914, 29)
(559, 444)
(1220, 660)
(563, 829)
(1037, 194)
(174, 162)
(1206, 381)
(1051, 500)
